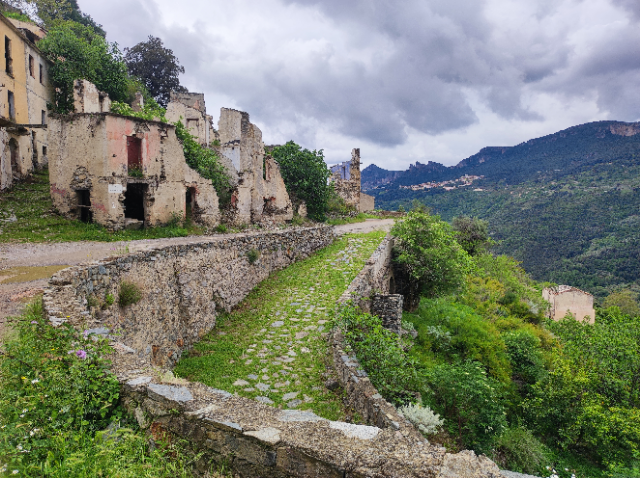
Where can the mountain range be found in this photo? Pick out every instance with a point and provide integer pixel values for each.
(567, 205)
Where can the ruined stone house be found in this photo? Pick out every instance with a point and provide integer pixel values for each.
(121, 171)
(346, 182)
(24, 94)
(260, 193)
(190, 110)
(565, 299)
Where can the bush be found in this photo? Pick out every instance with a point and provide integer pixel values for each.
(381, 354)
(253, 255)
(54, 382)
(129, 294)
(518, 450)
(427, 422)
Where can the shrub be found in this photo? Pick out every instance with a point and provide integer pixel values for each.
(129, 294)
(424, 418)
(221, 228)
(109, 299)
(381, 354)
(518, 450)
(253, 255)
(150, 111)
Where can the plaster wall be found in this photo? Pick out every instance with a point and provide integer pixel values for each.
(190, 110)
(569, 301)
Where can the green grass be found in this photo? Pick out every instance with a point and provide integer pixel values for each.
(363, 216)
(303, 297)
(30, 204)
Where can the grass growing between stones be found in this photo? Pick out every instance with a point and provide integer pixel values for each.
(272, 347)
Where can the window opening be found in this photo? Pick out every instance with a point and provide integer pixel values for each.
(41, 74)
(44, 151)
(134, 155)
(191, 202)
(84, 205)
(7, 56)
(32, 68)
(44, 117)
(12, 106)
(134, 198)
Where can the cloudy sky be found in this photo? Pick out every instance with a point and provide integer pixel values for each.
(407, 81)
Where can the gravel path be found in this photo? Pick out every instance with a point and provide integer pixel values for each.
(14, 294)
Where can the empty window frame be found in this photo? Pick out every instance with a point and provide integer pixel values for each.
(32, 67)
(41, 74)
(7, 56)
(43, 114)
(12, 105)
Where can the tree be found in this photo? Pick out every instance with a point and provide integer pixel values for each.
(157, 68)
(428, 254)
(78, 52)
(472, 234)
(305, 176)
(625, 300)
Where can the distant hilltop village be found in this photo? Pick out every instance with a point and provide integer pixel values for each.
(463, 181)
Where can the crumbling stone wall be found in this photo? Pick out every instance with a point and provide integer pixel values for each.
(88, 151)
(260, 192)
(258, 440)
(191, 111)
(347, 184)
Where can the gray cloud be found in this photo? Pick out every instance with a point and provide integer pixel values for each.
(387, 74)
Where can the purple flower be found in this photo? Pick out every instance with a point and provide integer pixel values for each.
(81, 354)
(34, 321)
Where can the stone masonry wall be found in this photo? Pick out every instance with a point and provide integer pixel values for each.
(183, 288)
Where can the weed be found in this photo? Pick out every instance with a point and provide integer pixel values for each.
(109, 299)
(129, 294)
(221, 228)
(136, 172)
(253, 255)
(92, 301)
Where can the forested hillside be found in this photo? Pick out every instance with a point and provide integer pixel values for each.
(566, 205)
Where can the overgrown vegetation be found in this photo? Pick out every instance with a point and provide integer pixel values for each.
(527, 391)
(129, 294)
(59, 412)
(77, 52)
(151, 110)
(305, 176)
(206, 162)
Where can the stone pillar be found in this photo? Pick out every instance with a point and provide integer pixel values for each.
(389, 309)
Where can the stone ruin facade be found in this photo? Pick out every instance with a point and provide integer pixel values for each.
(121, 171)
(565, 299)
(346, 181)
(260, 192)
(126, 172)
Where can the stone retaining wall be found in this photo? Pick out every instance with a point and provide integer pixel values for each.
(183, 286)
(182, 289)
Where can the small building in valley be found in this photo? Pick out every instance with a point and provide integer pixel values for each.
(346, 181)
(24, 94)
(564, 300)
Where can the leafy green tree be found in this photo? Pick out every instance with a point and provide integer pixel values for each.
(305, 176)
(472, 234)
(156, 67)
(625, 300)
(78, 52)
(52, 12)
(427, 252)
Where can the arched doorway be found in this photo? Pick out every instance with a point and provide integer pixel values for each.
(15, 155)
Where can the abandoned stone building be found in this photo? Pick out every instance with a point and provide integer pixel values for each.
(121, 171)
(346, 181)
(260, 192)
(565, 299)
(190, 110)
(24, 94)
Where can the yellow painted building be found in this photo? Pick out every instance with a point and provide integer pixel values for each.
(24, 94)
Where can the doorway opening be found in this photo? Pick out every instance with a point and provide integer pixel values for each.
(84, 205)
(190, 202)
(15, 157)
(134, 198)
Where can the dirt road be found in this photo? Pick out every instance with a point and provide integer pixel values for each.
(25, 269)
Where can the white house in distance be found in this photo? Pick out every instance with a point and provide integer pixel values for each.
(565, 299)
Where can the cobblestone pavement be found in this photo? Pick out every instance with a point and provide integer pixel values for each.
(272, 349)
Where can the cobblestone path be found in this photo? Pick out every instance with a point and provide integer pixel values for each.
(272, 348)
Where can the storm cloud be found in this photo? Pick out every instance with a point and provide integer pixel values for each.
(405, 81)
